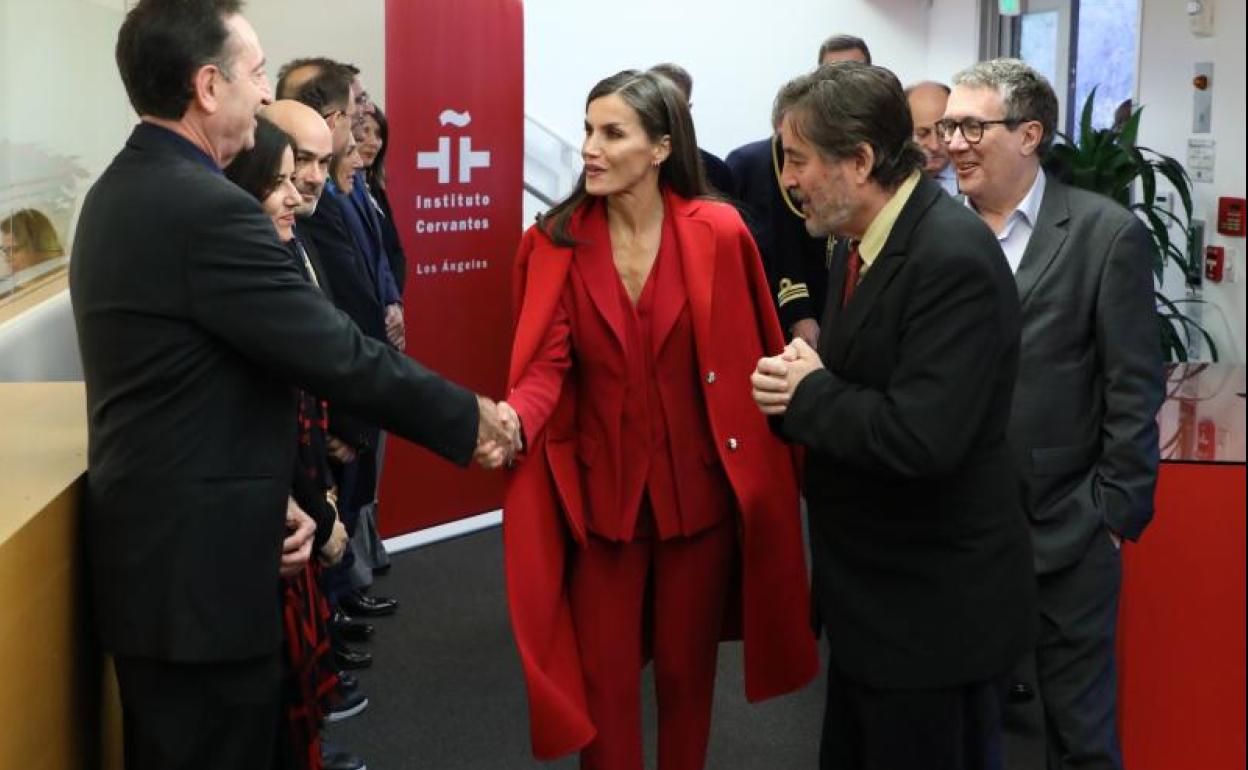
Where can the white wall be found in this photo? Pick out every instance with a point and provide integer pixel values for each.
(952, 37)
(351, 32)
(739, 54)
(1168, 52)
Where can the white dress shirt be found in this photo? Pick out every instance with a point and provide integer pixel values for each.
(1021, 222)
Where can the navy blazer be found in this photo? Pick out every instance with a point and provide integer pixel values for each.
(364, 219)
(796, 262)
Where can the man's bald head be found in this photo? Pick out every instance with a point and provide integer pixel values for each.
(927, 105)
(314, 147)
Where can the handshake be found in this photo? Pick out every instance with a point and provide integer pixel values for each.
(498, 434)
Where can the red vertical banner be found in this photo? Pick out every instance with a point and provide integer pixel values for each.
(455, 101)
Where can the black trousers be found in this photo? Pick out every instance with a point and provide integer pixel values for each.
(200, 716)
(952, 728)
(1072, 722)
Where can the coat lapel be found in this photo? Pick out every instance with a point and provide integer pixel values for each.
(596, 266)
(696, 240)
(544, 274)
(1046, 241)
(886, 265)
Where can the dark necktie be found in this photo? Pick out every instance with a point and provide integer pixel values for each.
(853, 267)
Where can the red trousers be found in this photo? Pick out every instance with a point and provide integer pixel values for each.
(687, 578)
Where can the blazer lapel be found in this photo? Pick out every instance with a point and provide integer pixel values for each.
(886, 265)
(593, 260)
(832, 310)
(1047, 238)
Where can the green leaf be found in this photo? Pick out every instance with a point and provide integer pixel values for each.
(1148, 180)
(1085, 120)
(1130, 129)
(1177, 176)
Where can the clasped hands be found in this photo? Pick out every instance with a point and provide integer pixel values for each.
(499, 439)
(775, 378)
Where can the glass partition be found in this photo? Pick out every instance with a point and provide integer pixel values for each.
(63, 115)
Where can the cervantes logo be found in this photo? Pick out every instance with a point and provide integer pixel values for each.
(452, 212)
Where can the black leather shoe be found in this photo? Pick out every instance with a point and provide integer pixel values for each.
(333, 758)
(348, 658)
(348, 683)
(349, 629)
(338, 705)
(368, 606)
(1020, 692)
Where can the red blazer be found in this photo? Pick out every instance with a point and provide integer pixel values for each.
(543, 512)
(615, 441)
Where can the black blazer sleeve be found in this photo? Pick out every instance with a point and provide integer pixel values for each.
(244, 289)
(925, 422)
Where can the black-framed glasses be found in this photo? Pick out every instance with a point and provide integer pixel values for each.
(972, 128)
(332, 113)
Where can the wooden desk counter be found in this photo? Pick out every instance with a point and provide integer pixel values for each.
(58, 707)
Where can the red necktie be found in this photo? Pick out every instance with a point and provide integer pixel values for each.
(853, 266)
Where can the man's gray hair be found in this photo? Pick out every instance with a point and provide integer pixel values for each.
(1024, 92)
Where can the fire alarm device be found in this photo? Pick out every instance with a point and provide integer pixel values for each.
(1231, 216)
(1215, 261)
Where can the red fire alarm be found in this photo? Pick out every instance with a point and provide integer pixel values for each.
(1231, 216)
(1215, 260)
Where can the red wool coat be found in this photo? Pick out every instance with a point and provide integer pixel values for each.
(734, 325)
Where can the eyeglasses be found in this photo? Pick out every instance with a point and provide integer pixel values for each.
(972, 128)
(332, 114)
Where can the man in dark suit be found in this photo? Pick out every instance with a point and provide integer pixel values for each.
(195, 326)
(796, 263)
(920, 551)
(1089, 387)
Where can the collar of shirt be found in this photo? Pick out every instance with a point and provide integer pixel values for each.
(1027, 210)
(150, 132)
(877, 233)
(1016, 232)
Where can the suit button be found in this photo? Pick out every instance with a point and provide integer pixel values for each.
(732, 444)
(710, 378)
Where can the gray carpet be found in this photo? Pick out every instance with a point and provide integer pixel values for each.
(446, 693)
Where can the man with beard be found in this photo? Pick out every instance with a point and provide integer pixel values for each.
(796, 263)
(919, 548)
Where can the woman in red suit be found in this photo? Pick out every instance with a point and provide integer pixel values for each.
(652, 512)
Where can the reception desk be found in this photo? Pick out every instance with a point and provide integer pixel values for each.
(1181, 624)
(58, 703)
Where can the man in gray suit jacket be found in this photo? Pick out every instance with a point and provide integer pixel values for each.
(1089, 387)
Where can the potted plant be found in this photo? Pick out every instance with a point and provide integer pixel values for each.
(1108, 161)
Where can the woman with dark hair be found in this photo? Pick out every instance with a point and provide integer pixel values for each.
(374, 139)
(312, 686)
(652, 512)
